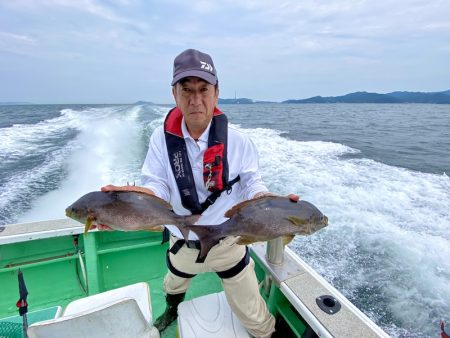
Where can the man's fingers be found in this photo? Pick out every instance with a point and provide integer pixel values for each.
(110, 187)
(294, 197)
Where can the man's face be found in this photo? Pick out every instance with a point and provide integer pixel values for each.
(196, 99)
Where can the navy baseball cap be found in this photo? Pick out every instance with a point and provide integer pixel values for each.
(192, 62)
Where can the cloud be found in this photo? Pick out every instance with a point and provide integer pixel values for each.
(437, 26)
(7, 37)
(255, 41)
(16, 43)
(92, 7)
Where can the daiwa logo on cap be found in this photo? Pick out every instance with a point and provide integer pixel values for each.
(192, 62)
(206, 66)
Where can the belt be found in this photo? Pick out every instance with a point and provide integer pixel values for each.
(233, 271)
(191, 244)
(195, 244)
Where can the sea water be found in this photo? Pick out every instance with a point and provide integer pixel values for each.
(380, 173)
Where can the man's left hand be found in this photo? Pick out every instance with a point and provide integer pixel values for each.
(292, 197)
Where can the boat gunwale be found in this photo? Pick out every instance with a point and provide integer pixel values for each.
(22, 232)
(284, 276)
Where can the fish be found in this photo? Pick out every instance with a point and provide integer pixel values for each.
(126, 211)
(262, 219)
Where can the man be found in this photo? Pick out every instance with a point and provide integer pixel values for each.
(201, 166)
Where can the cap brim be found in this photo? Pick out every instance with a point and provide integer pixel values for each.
(208, 77)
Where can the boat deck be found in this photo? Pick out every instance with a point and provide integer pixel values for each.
(52, 255)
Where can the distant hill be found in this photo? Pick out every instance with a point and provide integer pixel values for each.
(358, 97)
(394, 97)
(13, 103)
(418, 97)
(143, 102)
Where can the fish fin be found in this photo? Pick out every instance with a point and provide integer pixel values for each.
(244, 240)
(161, 201)
(235, 209)
(287, 239)
(185, 223)
(88, 225)
(158, 228)
(295, 220)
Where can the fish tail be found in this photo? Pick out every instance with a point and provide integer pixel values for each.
(205, 247)
(192, 219)
(208, 236)
(186, 222)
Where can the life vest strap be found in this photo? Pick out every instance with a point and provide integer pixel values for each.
(191, 244)
(216, 194)
(215, 163)
(175, 271)
(231, 272)
(165, 235)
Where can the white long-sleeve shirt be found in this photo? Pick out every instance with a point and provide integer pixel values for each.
(242, 156)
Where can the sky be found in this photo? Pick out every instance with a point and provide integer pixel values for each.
(122, 51)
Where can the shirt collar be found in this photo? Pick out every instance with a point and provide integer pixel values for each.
(203, 137)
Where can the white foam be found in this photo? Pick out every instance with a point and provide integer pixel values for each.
(23, 139)
(108, 149)
(26, 183)
(389, 227)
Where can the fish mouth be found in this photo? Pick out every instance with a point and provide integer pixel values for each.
(325, 220)
(69, 212)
